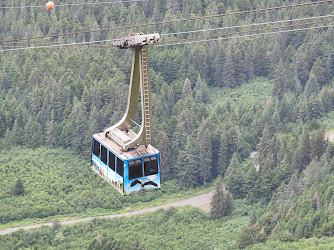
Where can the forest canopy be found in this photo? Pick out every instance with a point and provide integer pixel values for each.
(214, 103)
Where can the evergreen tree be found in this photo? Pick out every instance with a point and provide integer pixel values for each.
(249, 67)
(188, 120)
(318, 144)
(179, 136)
(268, 178)
(302, 156)
(319, 70)
(205, 154)
(329, 71)
(264, 145)
(261, 64)
(234, 178)
(315, 107)
(301, 68)
(251, 180)
(29, 130)
(280, 80)
(219, 69)
(93, 127)
(38, 137)
(2, 121)
(275, 57)
(172, 6)
(79, 125)
(192, 74)
(312, 86)
(229, 71)
(18, 188)
(238, 60)
(17, 133)
(222, 201)
(164, 146)
(223, 161)
(304, 111)
(233, 140)
(275, 146)
(201, 91)
(289, 55)
(51, 139)
(327, 96)
(187, 164)
(187, 91)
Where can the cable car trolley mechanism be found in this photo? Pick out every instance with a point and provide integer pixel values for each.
(125, 159)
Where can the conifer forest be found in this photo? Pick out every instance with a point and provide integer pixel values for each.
(242, 103)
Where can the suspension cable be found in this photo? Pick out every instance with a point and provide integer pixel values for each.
(50, 43)
(201, 30)
(170, 21)
(189, 40)
(242, 36)
(245, 25)
(55, 45)
(71, 4)
(249, 31)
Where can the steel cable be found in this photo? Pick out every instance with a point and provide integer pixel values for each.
(168, 22)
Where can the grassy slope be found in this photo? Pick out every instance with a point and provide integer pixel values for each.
(58, 183)
(256, 91)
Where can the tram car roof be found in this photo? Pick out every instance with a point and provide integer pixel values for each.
(137, 152)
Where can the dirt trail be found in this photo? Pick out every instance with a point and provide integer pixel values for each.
(201, 201)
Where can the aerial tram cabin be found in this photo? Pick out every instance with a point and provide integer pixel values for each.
(128, 171)
(124, 159)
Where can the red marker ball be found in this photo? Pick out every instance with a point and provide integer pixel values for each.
(50, 5)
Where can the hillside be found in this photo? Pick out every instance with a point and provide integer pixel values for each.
(214, 103)
(187, 228)
(59, 183)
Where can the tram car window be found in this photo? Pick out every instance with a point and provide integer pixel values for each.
(96, 149)
(120, 167)
(135, 169)
(104, 153)
(150, 166)
(112, 161)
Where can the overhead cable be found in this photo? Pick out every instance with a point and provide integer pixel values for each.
(242, 36)
(203, 30)
(249, 31)
(49, 43)
(70, 4)
(56, 45)
(245, 25)
(169, 22)
(187, 40)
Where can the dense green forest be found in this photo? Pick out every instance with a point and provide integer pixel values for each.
(214, 103)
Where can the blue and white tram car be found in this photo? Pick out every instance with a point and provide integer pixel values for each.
(128, 172)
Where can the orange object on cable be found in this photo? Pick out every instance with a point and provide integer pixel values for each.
(50, 5)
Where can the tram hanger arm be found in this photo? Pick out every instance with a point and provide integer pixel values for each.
(121, 133)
